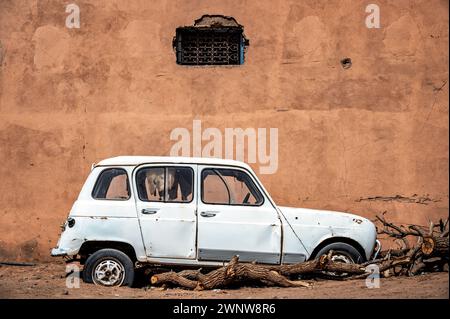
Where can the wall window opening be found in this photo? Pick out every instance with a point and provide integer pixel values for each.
(212, 40)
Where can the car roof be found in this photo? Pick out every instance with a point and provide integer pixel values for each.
(138, 160)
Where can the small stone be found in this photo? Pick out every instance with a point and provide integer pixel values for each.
(66, 292)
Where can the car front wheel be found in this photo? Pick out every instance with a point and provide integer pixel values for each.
(342, 252)
(109, 267)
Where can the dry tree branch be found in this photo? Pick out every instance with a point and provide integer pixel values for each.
(429, 253)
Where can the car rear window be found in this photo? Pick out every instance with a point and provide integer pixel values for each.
(112, 183)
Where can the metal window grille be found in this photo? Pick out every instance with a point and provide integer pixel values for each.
(210, 46)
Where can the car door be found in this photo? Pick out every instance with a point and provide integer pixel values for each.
(166, 207)
(235, 217)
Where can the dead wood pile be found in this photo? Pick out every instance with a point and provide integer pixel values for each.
(429, 252)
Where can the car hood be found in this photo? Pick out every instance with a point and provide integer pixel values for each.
(314, 226)
(324, 218)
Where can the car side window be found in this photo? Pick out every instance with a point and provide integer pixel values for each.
(229, 187)
(112, 183)
(165, 184)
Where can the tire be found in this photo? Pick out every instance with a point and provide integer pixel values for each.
(109, 267)
(342, 251)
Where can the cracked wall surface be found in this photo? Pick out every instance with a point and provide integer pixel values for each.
(365, 138)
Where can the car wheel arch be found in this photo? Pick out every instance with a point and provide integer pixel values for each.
(332, 240)
(91, 246)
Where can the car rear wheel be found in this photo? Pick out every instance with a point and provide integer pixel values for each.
(109, 267)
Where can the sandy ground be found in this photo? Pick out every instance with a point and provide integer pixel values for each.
(49, 281)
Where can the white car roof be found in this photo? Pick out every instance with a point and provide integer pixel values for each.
(138, 160)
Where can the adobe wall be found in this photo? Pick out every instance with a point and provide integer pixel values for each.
(349, 139)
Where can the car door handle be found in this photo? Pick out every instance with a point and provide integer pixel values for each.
(208, 213)
(148, 211)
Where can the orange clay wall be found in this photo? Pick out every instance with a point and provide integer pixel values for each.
(365, 139)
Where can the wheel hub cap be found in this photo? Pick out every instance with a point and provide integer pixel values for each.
(109, 273)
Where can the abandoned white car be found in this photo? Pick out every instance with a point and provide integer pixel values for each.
(136, 210)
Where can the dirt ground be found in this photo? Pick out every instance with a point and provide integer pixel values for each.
(49, 281)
